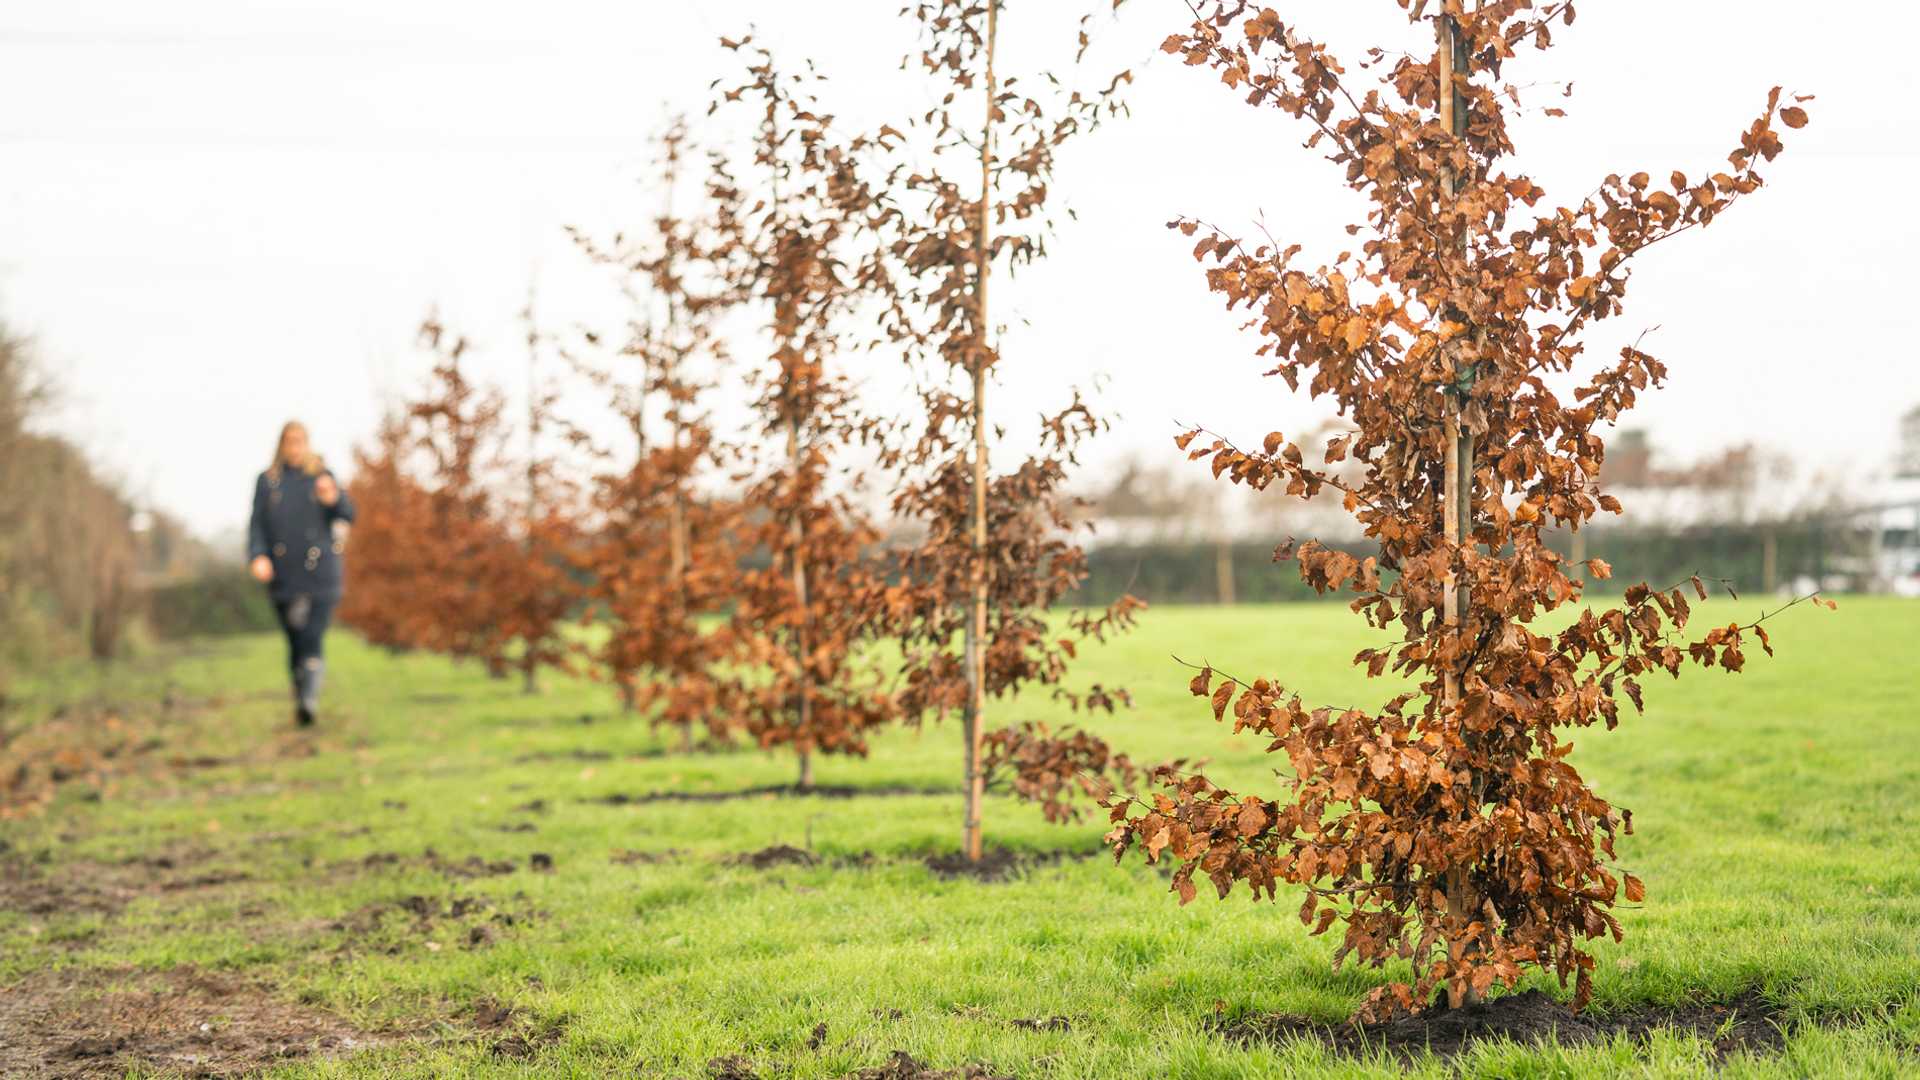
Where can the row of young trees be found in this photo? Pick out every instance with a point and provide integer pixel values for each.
(735, 585)
(1446, 828)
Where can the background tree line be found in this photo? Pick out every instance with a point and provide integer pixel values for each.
(78, 559)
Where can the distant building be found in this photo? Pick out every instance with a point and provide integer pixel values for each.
(1896, 529)
(1890, 513)
(1906, 463)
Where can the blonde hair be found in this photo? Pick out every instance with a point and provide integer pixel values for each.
(310, 464)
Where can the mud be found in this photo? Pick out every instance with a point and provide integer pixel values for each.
(1748, 1024)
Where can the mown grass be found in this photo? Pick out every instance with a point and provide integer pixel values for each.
(1778, 832)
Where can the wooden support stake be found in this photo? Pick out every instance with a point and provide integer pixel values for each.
(531, 683)
(976, 647)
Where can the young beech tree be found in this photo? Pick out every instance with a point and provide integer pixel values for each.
(540, 593)
(969, 609)
(486, 592)
(385, 599)
(802, 624)
(1448, 828)
(660, 557)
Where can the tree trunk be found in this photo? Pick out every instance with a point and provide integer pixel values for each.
(677, 506)
(677, 546)
(976, 647)
(1223, 570)
(1457, 499)
(796, 533)
(531, 684)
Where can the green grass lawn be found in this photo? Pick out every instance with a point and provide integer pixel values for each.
(1777, 816)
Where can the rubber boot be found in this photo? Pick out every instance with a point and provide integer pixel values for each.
(314, 672)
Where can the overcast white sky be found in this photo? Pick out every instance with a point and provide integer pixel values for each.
(217, 214)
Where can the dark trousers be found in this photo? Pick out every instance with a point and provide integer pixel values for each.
(304, 618)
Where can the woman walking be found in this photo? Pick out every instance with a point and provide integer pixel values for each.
(295, 546)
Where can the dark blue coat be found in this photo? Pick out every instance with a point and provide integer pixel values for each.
(291, 527)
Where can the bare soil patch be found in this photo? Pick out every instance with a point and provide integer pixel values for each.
(510, 1033)
(90, 1022)
(999, 864)
(771, 791)
(453, 868)
(390, 926)
(902, 1066)
(31, 890)
(1748, 1024)
(40, 887)
(473, 866)
(98, 745)
(778, 855)
(731, 1067)
(564, 755)
(624, 857)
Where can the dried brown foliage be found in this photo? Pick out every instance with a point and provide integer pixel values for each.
(968, 201)
(661, 554)
(802, 622)
(395, 515)
(539, 595)
(1043, 766)
(1448, 828)
(445, 559)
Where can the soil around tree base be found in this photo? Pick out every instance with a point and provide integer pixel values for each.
(1747, 1024)
(771, 791)
(998, 863)
(900, 1065)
